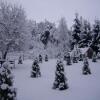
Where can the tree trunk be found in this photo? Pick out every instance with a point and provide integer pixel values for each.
(5, 53)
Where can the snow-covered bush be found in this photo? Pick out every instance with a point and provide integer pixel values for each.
(7, 91)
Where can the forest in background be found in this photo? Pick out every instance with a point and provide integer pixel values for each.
(19, 34)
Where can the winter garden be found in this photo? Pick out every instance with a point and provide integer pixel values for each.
(43, 61)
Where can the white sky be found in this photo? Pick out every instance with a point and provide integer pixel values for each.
(53, 10)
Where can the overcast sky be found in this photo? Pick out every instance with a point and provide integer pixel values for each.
(53, 10)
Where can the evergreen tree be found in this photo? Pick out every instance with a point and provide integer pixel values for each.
(68, 59)
(7, 91)
(81, 57)
(86, 69)
(35, 69)
(98, 55)
(20, 61)
(40, 58)
(85, 34)
(60, 79)
(76, 30)
(94, 58)
(46, 58)
(96, 37)
(74, 56)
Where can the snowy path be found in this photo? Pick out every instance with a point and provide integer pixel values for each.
(80, 87)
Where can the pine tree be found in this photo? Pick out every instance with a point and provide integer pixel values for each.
(46, 58)
(76, 30)
(20, 61)
(7, 91)
(81, 57)
(98, 55)
(35, 69)
(60, 79)
(68, 59)
(75, 57)
(94, 58)
(86, 69)
(96, 37)
(40, 58)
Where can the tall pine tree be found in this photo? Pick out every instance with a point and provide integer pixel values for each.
(95, 45)
(76, 30)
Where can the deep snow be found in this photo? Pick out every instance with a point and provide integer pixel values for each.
(81, 87)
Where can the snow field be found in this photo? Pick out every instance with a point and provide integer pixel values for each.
(81, 87)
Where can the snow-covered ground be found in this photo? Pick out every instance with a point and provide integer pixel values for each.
(81, 87)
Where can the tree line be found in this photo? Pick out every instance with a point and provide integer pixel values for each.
(17, 33)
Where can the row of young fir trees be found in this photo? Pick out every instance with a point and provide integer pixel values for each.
(60, 81)
(8, 92)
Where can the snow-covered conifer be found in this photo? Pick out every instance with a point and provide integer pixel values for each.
(40, 58)
(68, 59)
(94, 58)
(46, 58)
(60, 78)
(35, 69)
(20, 61)
(74, 56)
(86, 70)
(76, 30)
(7, 91)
